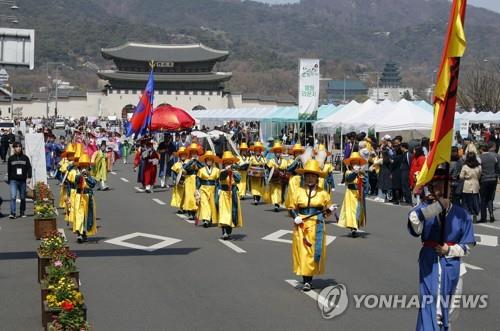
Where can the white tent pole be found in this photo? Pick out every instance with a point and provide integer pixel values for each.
(341, 150)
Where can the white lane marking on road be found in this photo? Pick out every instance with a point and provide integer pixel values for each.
(163, 241)
(27, 200)
(336, 224)
(486, 240)
(276, 236)
(114, 173)
(232, 246)
(184, 217)
(124, 180)
(61, 231)
(158, 201)
(312, 294)
(138, 189)
(473, 267)
(489, 226)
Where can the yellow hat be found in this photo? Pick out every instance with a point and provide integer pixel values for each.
(182, 151)
(277, 147)
(243, 146)
(297, 148)
(311, 167)
(209, 155)
(355, 157)
(84, 160)
(194, 147)
(78, 151)
(229, 157)
(257, 146)
(322, 148)
(69, 151)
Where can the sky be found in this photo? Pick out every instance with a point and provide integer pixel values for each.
(488, 4)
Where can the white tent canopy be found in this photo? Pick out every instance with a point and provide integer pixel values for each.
(330, 123)
(387, 116)
(482, 117)
(405, 116)
(213, 117)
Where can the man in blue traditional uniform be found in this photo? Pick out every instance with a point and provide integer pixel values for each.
(447, 235)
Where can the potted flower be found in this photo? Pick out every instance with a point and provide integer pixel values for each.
(63, 263)
(43, 193)
(70, 318)
(62, 296)
(52, 242)
(45, 218)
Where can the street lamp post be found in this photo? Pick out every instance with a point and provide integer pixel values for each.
(11, 102)
(56, 95)
(344, 89)
(57, 91)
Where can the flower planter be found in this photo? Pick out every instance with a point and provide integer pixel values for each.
(43, 226)
(44, 291)
(74, 274)
(43, 262)
(48, 313)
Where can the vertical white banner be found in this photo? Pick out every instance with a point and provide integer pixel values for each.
(308, 86)
(35, 150)
(464, 128)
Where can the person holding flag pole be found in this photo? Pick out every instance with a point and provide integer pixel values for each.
(141, 119)
(445, 229)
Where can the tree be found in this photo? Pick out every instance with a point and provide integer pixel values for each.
(480, 91)
(407, 96)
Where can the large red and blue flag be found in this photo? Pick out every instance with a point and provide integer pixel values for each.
(141, 118)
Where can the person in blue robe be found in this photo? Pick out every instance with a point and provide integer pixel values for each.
(440, 264)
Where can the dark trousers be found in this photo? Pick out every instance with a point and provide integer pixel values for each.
(487, 194)
(3, 151)
(227, 229)
(17, 186)
(405, 187)
(373, 180)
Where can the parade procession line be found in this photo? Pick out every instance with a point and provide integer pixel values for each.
(124, 180)
(232, 246)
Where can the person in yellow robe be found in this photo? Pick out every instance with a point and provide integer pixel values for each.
(294, 164)
(280, 166)
(73, 171)
(100, 166)
(206, 182)
(353, 212)
(230, 215)
(243, 164)
(178, 192)
(64, 164)
(327, 182)
(191, 168)
(85, 209)
(309, 207)
(257, 172)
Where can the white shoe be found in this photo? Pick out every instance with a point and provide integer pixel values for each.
(162, 182)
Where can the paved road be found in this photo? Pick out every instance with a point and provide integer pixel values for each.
(200, 283)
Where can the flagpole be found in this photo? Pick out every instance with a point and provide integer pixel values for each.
(152, 67)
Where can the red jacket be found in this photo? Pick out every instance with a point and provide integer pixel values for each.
(416, 166)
